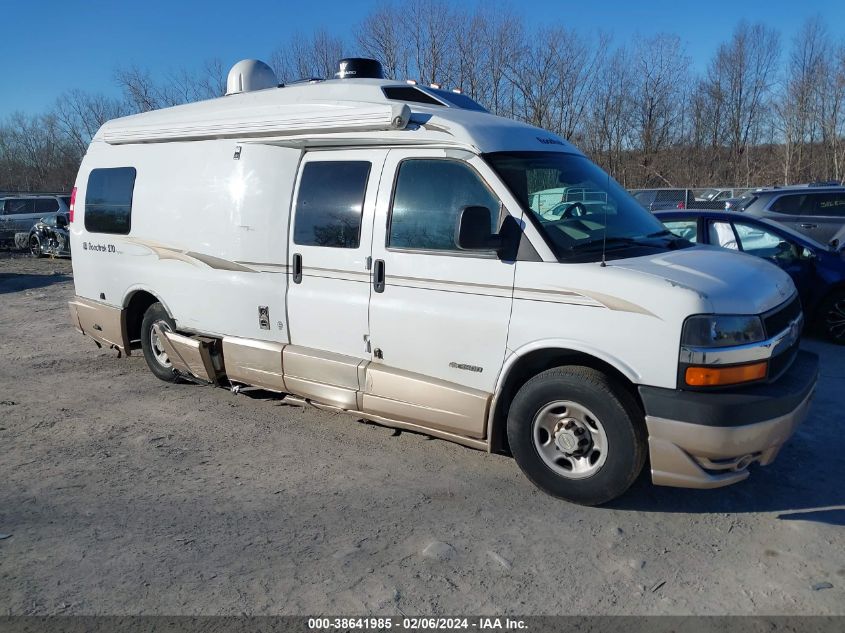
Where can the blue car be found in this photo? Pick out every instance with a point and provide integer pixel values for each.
(817, 270)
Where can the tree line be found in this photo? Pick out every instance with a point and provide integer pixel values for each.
(762, 112)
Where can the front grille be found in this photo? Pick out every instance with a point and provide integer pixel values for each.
(778, 319)
(780, 363)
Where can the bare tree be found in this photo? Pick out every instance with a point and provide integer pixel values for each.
(661, 73)
(80, 114)
(381, 36)
(739, 80)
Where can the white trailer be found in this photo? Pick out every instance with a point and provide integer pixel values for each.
(369, 245)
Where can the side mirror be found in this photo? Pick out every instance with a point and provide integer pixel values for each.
(473, 230)
(61, 220)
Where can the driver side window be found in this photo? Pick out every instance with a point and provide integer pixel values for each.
(758, 241)
(429, 195)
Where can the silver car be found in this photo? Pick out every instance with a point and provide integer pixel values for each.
(19, 213)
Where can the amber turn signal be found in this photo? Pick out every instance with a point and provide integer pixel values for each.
(717, 376)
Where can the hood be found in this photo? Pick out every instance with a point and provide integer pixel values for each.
(732, 282)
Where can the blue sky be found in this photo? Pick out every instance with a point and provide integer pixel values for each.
(49, 47)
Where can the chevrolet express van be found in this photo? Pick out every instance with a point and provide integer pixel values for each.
(370, 246)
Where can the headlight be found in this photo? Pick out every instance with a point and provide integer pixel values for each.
(722, 331)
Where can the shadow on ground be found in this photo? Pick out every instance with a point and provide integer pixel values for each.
(17, 282)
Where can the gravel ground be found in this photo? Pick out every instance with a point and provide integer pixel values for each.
(122, 495)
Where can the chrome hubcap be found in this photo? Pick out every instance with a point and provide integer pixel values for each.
(156, 346)
(835, 319)
(570, 439)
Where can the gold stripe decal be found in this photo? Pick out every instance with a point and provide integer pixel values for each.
(190, 257)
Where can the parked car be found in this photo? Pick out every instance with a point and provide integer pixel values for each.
(18, 213)
(50, 236)
(818, 270)
(664, 199)
(816, 211)
(715, 194)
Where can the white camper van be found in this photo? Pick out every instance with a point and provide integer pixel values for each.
(369, 246)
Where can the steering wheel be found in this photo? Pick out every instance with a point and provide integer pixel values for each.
(574, 210)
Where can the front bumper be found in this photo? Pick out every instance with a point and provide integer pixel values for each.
(709, 439)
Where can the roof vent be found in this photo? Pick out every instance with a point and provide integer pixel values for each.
(359, 68)
(248, 75)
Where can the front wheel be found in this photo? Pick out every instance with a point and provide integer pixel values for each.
(35, 246)
(577, 435)
(832, 317)
(151, 343)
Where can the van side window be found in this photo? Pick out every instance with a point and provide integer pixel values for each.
(108, 200)
(330, 203)
(429, 195)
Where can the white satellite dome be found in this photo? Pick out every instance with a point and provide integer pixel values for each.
(248, 75)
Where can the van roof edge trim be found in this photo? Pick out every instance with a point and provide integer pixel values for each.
(324, 121)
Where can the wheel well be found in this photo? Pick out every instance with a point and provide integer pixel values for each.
(532, 364)
(138, 304)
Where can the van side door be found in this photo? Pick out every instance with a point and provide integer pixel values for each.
(438, 315)
(329, 281)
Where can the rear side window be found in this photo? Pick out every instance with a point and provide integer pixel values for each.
(330, 204)
(429, 195)
(46, 205)
(799, 204)
(108, 200)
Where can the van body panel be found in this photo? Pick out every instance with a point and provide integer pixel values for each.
(188, 354)
(583, 306)
(396, 394)
(189, 234)
(104, 323)
(252, 362)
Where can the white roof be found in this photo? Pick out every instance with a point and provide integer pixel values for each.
(335, 112)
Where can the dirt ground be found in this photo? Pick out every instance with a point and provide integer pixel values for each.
(122, 495)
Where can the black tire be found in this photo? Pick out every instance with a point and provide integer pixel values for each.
(620, 420)
(156, 314)
(35, 246)
(831, 317)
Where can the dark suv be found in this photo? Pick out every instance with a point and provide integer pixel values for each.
(815, 211)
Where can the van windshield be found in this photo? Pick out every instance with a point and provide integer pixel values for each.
(579, 208)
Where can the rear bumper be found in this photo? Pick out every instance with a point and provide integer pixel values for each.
(708, 440)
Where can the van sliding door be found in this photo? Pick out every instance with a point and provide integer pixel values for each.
(330, 240)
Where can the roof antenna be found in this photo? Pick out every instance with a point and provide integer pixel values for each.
(604, 232)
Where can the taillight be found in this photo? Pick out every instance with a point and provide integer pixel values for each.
(72, 204)
(681, 205)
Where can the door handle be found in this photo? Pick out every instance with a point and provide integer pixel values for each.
(297, 268)
(809, 226)
(378, 275)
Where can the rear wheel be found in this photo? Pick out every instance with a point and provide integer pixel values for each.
(156, 320)
(35, 246)
(577, 435)
(832, 317)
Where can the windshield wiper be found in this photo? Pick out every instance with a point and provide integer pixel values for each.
(610, 241)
